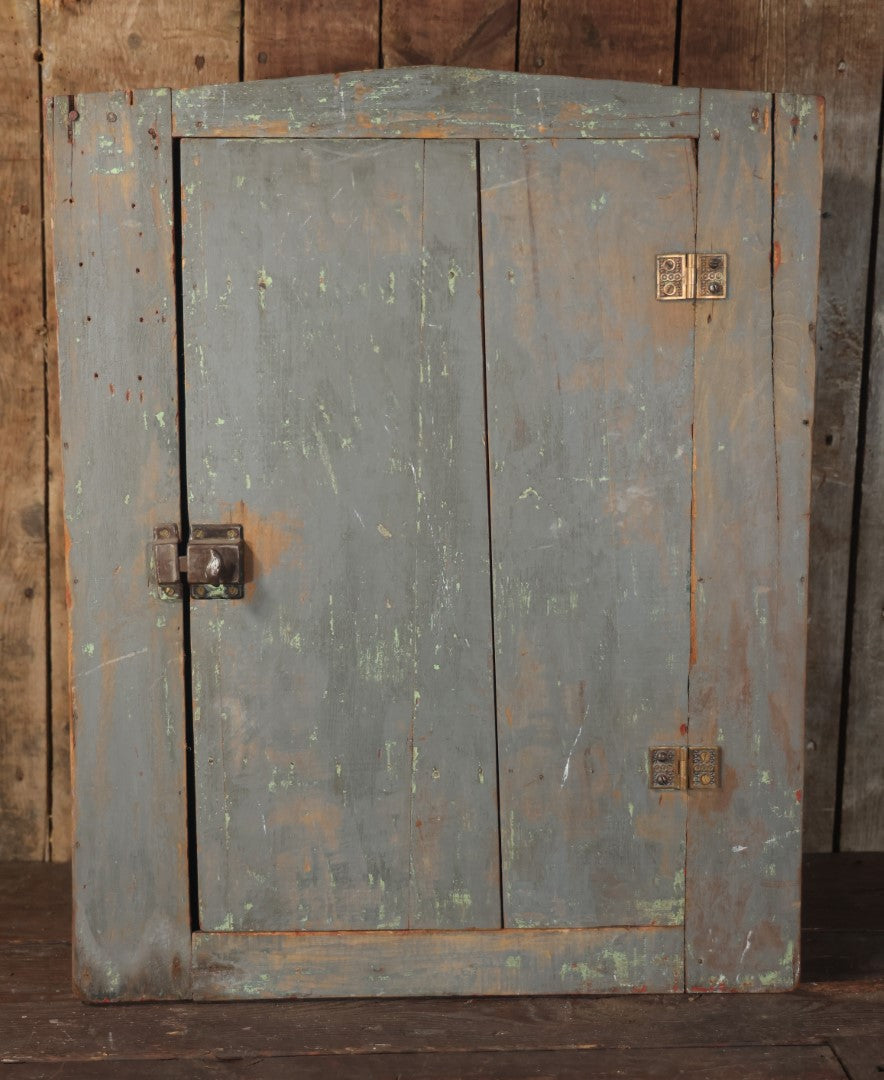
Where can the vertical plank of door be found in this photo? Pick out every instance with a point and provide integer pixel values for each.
(590, 405)
(468, 33)
(743, 840)
(102, 47)
(112, 209)
(23, 824)
(344, 711)
(309, 37)
(614, 39)
(834, 49)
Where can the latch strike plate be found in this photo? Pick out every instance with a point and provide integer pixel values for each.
(677, 768)
(213, 562)
(692, 277)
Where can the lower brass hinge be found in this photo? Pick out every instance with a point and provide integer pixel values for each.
(692, 277)
(677, 768)
(213, 561)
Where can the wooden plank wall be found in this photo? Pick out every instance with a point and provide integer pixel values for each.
(833, 48)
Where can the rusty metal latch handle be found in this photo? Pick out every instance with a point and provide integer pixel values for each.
(213, 562)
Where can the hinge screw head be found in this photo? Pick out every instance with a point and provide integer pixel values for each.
(169, 590)
(199, 590)
(233, 590)
(232, 534)
(198, 534)
(714, 287)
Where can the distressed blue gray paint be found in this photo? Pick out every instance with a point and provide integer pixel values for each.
(344, 711)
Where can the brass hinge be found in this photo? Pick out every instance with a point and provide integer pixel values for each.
(692, 277)
(213, 561)
(677, 768)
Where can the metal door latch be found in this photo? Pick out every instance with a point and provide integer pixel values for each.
(692, 277)
(213, 561)
(677, 768)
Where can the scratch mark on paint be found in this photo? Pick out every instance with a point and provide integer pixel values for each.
(745, 948)
(107, 663)
(567, 768)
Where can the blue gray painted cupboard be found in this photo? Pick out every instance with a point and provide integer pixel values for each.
(511, 523)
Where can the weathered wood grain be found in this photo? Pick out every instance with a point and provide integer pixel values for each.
(49, 1030)
(87, 48)
(112, 208)
(90, 47)
(831, 48)
(433, 102)
(309, 37)
(35, 972)
(344, 716)
(862, 821)
(749, 1063)
(861, 1058)
(590, 399)
(614, 39)
(753, 386)
(23, 549)
(441, 964)
(471, 33)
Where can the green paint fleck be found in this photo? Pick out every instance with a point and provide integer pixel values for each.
(462, 899)
(79, 487)
(528, 493)
(765, 777)
(323, 286)
(219, 422)
(161, 419)
(89, 649)
(391, 295)
(513, 961)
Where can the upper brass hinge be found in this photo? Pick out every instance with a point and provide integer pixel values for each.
(692, 277)
(213, 562)
(677, 768)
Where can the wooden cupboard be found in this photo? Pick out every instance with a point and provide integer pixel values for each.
(506, 381)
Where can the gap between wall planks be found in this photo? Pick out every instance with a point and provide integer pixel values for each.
(832, 49)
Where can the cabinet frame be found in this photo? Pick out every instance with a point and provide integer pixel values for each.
(113, 208)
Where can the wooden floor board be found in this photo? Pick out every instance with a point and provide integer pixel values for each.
(862, 1058)
(46, 1032)
(742, 1063)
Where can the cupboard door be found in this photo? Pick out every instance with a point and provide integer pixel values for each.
(343, 713)
(590, 383)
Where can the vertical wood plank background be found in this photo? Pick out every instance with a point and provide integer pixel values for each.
(51, 47)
